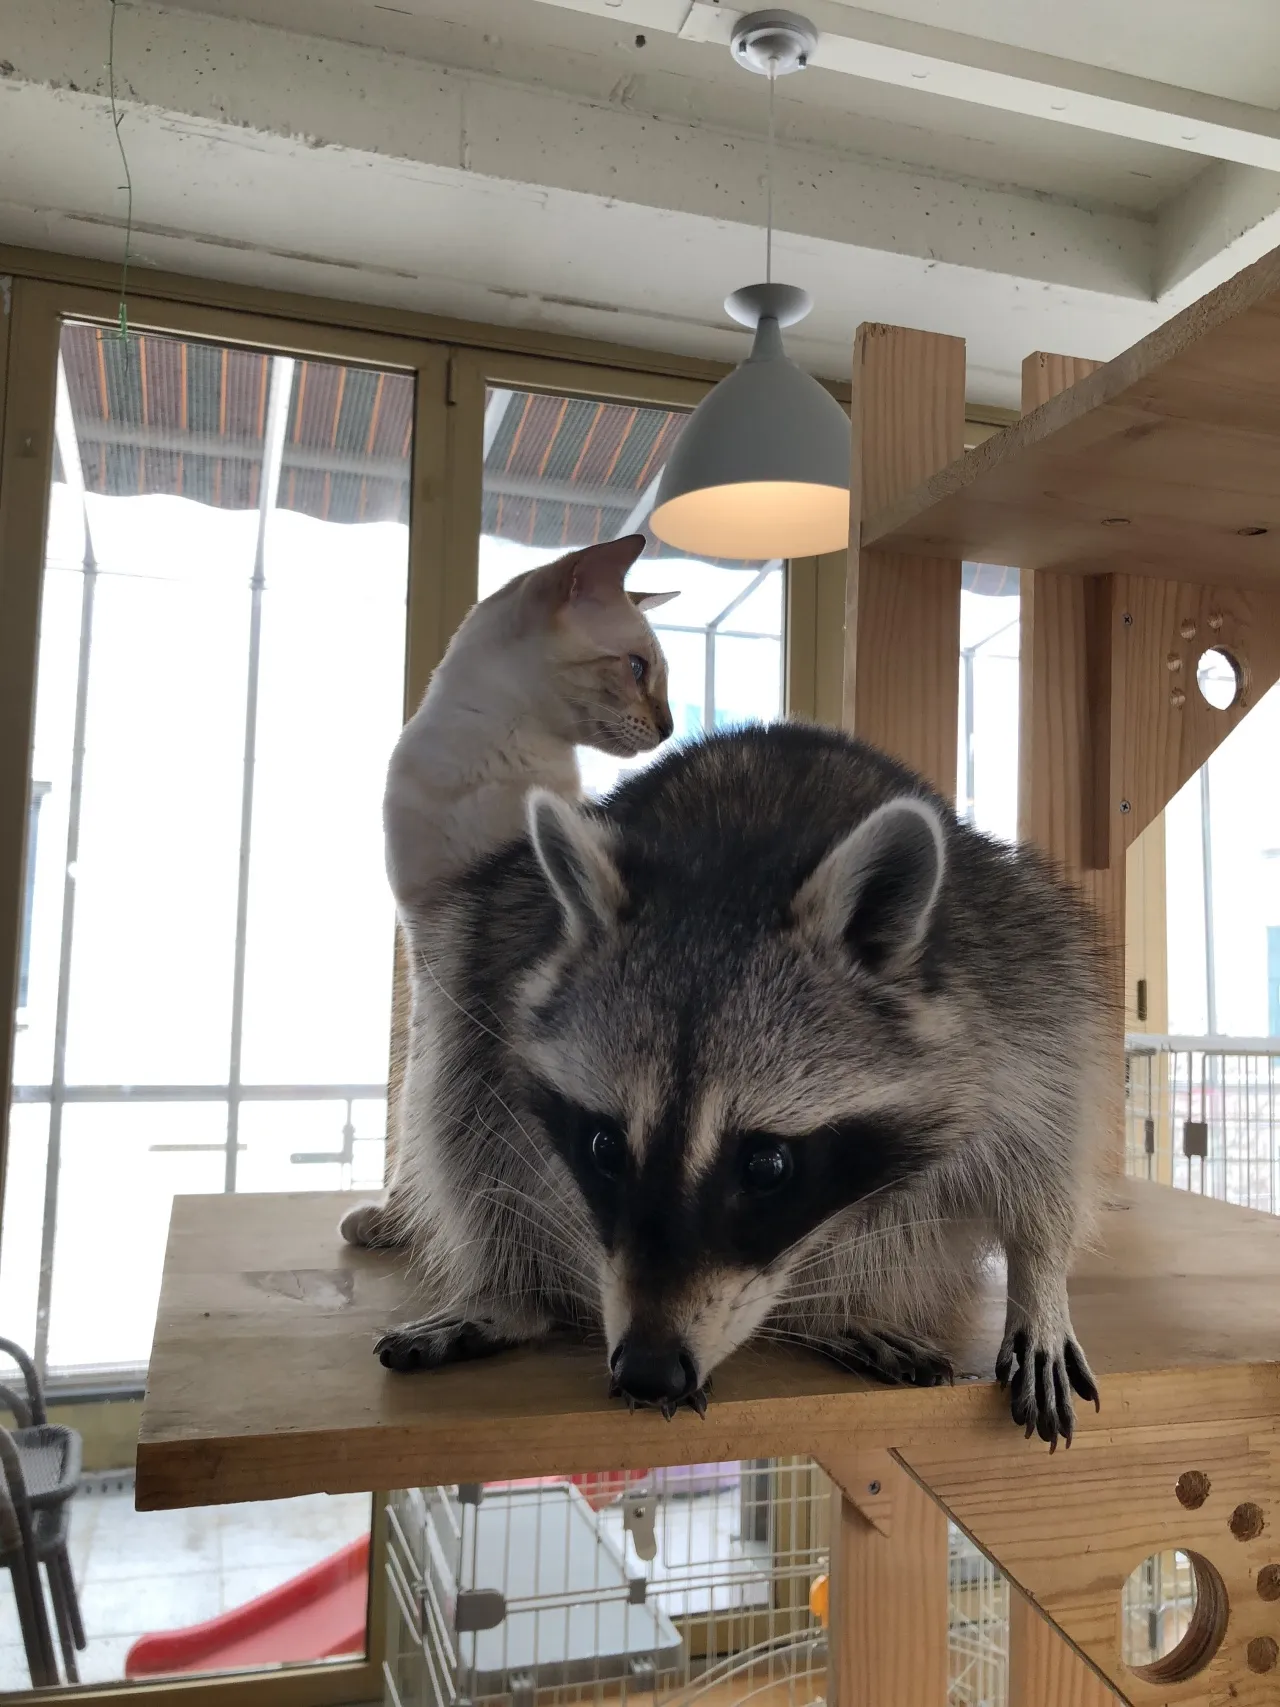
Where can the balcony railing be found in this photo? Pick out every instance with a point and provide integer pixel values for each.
(1203, 1114)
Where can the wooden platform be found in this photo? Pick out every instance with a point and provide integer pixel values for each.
(1162, 462)
(263, 1382)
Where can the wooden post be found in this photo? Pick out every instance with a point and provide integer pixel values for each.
(901, 691)
(1063, 801)
(902, 614)
(890, 1643)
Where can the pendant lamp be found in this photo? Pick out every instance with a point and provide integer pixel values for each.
(761, 469)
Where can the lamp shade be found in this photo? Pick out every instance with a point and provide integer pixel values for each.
(761, 469)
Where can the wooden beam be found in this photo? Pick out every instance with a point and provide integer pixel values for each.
(889, 1593)
(902, 621)
(1044, 1669)
(1064, 747)
(901, 692)
(1160, 463)
(1069, 1529)
(1146, 933)
(1063, 802)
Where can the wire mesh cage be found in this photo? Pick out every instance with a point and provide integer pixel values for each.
(1157, 1604)
(704, 1583)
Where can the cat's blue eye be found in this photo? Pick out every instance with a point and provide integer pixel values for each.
(638, 667)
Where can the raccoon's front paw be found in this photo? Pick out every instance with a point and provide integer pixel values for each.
(1041, 1370)
(369, 1226)
(439, 1340)
(884, 1354)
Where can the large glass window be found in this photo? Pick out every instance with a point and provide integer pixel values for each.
(987, 760)
(207, 943)
(221, 653)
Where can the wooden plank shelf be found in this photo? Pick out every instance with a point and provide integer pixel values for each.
(263, 1382)
(1164, 462)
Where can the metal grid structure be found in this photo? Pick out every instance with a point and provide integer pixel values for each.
(1158, 1600)
(685, 1586)
(978, 1598)
(1203, 1114)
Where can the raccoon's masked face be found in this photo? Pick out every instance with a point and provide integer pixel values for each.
(721, 1085)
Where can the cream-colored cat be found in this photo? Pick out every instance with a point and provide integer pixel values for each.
(559, 658)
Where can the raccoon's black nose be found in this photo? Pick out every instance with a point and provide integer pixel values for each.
(651, 1373)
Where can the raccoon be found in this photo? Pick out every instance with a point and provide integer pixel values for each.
(768, 1043)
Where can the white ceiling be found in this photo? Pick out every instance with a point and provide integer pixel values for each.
(580, 165)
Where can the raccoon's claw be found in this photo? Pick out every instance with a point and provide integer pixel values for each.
(883, 1354)
(1041, 1378)
(439, 1340)
(696, 1401)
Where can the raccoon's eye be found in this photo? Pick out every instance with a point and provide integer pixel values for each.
(767, 1166)
(639, 669)
(609, 1153)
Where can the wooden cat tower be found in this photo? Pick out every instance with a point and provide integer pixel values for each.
(1141, 501)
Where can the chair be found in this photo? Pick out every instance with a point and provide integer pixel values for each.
(19, 1552)
(41, 1462)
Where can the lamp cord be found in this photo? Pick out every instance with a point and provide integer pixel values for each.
(768, 180)
(122, 318)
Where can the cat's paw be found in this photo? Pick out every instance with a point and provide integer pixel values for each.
(369, 1226)
(1041, 1370)
(888, 1355)
(439, 1340)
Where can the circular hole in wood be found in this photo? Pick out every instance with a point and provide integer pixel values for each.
(1247, 1521)
(1174, 1612)
(1219, 678)
(1192, 1489)
(1269, 1582)
(1262, 1653)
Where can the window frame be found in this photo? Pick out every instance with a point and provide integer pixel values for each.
(445, 507)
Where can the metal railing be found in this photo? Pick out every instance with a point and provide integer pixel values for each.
(1203, 1114)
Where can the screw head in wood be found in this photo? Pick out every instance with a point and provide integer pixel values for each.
(873, 1487)
(1127, 619)
(1125, 807)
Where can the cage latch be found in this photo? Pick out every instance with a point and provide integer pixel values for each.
(479, 1609)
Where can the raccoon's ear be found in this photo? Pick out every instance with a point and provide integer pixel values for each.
(875, 891)
(576, 853)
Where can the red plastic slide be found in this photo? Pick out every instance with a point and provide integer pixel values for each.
(314, 1616)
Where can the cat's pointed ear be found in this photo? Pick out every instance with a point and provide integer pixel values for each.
(599, 570)
(576, 853)
(595, 574)
(875, 891)
(651, 601)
